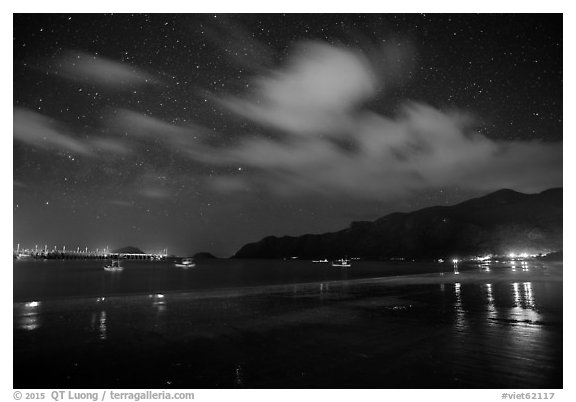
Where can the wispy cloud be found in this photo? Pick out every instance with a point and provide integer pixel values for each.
(42, 132)
(326, 140)
(146, 127)
(84, 67)
(111, 145)
(185, 141)
(332, 145)
(120, 203)
(153, 183)
(312, 94)
(154, 192)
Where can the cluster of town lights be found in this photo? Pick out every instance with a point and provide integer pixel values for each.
(522, 255)
(490, 256)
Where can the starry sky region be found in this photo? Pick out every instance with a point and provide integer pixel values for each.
(185, 131)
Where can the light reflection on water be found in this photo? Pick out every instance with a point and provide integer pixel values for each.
(524, 308)
(523, 295)
(461, 323)
(516, 292)
(485, 266)
(238, 375)
(499, 331)
(29, 317)
(521, 312)
(102, 325)
(525, 266)
(98, 322)
(489, 295)
(158, 302)
(492, 312)
(500, 326)
(528, 295)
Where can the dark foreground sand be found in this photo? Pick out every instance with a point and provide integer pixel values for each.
(473, 330)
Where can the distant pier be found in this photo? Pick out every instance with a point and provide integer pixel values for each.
(64, 254)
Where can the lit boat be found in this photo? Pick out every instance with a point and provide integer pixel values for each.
(23, 256)
(343, 263)
(114, 266)
(186, 263)
(324, 260)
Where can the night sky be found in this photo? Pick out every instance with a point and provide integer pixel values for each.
(205, 132)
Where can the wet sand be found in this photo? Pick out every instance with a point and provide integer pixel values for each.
(476, 329)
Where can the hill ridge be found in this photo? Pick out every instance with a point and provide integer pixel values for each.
(494, 223)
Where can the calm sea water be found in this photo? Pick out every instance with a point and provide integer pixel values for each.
(276, 324)
(43, 279)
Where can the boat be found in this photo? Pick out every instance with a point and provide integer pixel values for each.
(114, 266)
(23, 256)
(317, 261)
(186, 263)
(342, 263)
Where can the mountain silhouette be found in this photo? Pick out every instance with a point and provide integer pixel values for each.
(501, 222)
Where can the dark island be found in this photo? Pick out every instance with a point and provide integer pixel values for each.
(128, 250)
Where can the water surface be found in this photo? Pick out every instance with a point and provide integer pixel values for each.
(298, 325)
